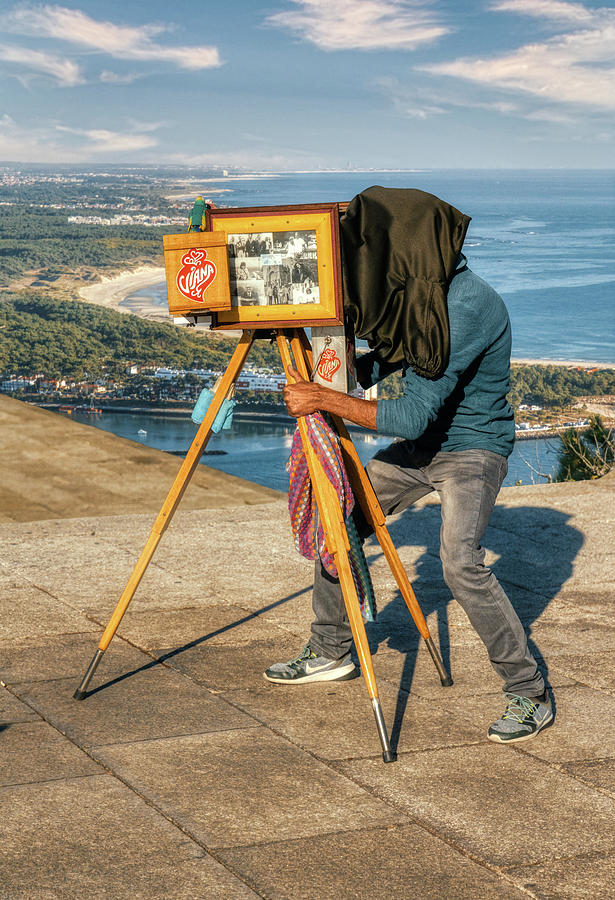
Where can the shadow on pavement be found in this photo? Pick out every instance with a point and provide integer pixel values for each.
(195, 643)
(549, 531)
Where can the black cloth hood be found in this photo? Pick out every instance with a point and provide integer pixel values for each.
(400, 248)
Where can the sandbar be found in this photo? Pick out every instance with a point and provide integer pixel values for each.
(112, 291)
(569, 363)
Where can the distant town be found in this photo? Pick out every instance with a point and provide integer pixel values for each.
(163, 388)
(65, 229)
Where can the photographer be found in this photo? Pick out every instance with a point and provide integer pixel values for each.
(409, 291)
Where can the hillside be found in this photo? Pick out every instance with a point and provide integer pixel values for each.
(54, 468)
(43, 335)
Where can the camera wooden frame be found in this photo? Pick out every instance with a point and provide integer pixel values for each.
(323, 220)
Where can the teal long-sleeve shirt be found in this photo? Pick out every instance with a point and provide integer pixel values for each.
(466, 408)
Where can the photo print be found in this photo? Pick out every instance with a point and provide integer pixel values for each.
(273, 268)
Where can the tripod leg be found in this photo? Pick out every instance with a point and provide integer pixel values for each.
(170, 504)
(374, 514)
(337, 542)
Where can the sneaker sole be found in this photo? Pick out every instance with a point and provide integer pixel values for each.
(526, 737)
(343, 673)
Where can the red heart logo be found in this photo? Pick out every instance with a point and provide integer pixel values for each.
(329, 364)
(196, 274)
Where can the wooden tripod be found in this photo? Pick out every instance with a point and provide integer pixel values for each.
(330, 515)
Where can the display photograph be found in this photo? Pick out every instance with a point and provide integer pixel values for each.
(273, 268)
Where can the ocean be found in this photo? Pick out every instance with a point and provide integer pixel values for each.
(543, 239)
(257, 450)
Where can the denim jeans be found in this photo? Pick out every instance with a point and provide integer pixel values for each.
(468, 482)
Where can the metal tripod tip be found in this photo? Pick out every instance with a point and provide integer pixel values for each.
(82, 691)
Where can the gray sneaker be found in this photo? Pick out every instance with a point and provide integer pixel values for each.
(308, 666)
(523, 718)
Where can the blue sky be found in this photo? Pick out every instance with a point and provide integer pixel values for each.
(303, 84)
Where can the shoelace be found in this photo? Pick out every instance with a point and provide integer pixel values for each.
(306, 653)
(519, 708)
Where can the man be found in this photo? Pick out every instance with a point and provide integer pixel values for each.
(455, 423)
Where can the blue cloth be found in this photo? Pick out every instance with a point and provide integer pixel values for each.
(223, 420)
(466, 408)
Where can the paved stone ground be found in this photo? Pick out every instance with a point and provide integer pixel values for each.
(185, 774)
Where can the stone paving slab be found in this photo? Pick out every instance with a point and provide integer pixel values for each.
(472, 673)
(13, 710)
(225, 667)
(598, 772)
(550, 571)
(205, 752)
(413, 670)
(218, 626)
(25, 551)
(594, 669)
(336, 721)
(579, 878)
(399, 861)
(54, 657)
(293, 610)
(583, 728)
(152, 702)
(596, 598)
(96, 589)
(36, 752)
(93, 837)
(268, 787)
(551, 525)
(494, 803)
(28, 613)
(9, 579)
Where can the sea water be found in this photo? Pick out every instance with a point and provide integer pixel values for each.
(258, 449)
(543, 239)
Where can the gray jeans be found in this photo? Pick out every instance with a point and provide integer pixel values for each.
(468, 482)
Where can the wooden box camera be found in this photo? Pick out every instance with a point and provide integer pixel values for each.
(197, 270)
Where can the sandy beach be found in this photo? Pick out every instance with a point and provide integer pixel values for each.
(110, 292)
(569, 363)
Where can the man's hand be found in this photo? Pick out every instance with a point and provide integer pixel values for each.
(303, 397)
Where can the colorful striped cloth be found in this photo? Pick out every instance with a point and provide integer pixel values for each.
(307, 530)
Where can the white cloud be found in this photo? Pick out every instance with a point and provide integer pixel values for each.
(421, 101)
(65, 71)
(557, 10)
(118, 41)
(362, 24)
(99, 140)
(30, 144)
(117, 78)
(573, 68)
(52, 142)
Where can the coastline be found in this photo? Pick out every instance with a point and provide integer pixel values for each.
(569, 363)
(113, 291)
(263, 416)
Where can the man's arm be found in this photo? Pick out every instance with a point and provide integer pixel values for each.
(306, 397)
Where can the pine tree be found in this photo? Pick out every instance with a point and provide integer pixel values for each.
(586, 454)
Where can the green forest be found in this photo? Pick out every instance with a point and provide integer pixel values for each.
(35, 238)
(75, 339)
(549, 386)
(78, 340)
